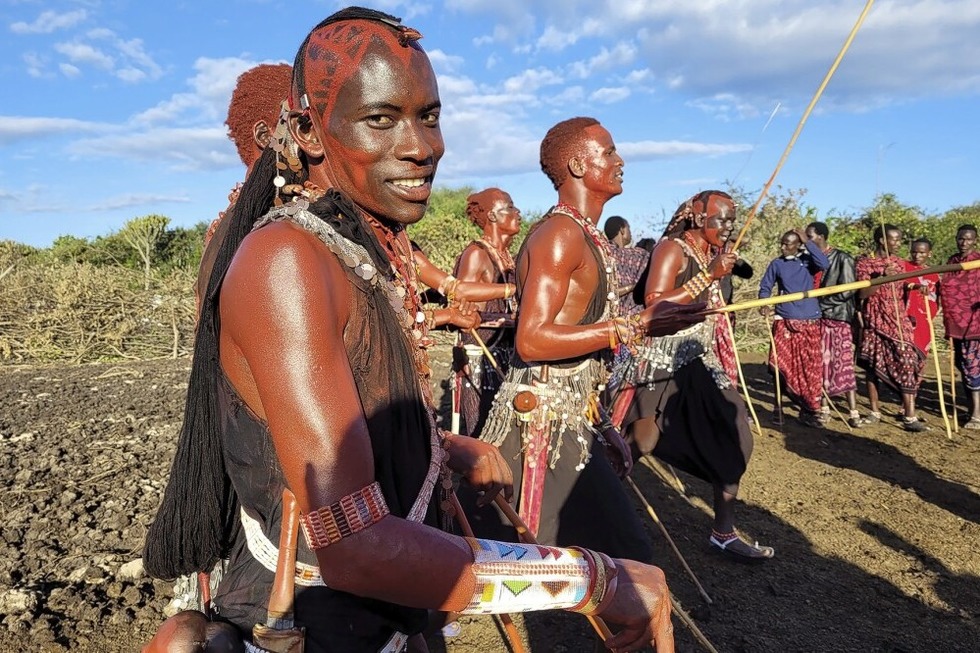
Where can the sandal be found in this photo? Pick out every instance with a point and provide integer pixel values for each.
(913, 425)
(973, 424)
(872, 418)
(855, 421)
(737, 548)
(811, 419)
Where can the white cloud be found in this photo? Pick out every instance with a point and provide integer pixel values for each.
(531, 80)
(622, 54)
(648, 150)
(49, 21)
(610, 95)
(442, 62)
(184, 148)
(19, 128)
(35, 64)
(83, 53)
(69, 70)
(135, 199)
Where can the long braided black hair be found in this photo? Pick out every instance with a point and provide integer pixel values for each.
(198, 516)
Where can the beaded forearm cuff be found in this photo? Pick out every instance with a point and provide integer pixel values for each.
(351, 514)
(527, 577)
(697, 284)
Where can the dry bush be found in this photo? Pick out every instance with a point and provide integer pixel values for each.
(81, 312)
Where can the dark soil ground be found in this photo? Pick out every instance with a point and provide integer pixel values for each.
(876, 530)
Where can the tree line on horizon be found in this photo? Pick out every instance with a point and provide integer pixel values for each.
(150, 244)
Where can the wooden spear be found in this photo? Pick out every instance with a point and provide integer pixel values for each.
(803, 119)
(845, 287)
(952, 385)
(939, 371)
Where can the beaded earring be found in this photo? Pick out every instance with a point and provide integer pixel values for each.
(285, 147)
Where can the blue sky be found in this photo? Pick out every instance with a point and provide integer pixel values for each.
(113, 109)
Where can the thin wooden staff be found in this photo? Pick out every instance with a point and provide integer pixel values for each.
(510, 630)
(803, 119)
(939, 371)
(741, 376)
(486, 352)
(831, 403)
(845, 287)
(524, 533)
(670, 540)
(775, 369)
(952, 385)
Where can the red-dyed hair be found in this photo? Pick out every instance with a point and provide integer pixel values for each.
(257, 96)
(560, 144)
(479, 205)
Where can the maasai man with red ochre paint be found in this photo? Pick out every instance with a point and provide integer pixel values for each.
(796, 329)
(960, 293)
(686, 410)
(546, 415)
(887, 351)
(311, 373)
(488, 260)
(837, 313)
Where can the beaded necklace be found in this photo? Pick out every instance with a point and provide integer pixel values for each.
(502, 257)
(699, 255)
(603, 246)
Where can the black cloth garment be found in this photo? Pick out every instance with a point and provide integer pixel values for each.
(588, 507)
(398, 425)
(841, 306)
(702, 429)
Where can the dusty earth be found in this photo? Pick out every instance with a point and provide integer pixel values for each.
(876, 530)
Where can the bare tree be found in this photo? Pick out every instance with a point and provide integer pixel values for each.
(143, 234)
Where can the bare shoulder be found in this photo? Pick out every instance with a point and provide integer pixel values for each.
(281, 263)
(557, 238)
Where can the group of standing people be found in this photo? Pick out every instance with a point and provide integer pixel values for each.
(884, 329)
(311, 385)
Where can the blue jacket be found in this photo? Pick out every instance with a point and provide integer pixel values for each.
(795, 275)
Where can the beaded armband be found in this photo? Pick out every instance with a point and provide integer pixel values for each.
(353, 513)
(697, 284)
(528, 577)
(629, 330)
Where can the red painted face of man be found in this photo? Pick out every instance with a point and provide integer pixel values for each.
(381, 134)
(507, 215)
(603, 167)
(720, 221)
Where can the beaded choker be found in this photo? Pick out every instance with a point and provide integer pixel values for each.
(603, 246)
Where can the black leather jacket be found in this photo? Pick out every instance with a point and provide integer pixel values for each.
(842, 306)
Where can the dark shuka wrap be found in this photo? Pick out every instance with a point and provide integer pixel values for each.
(474, 402)
(398, 425)
(585, 507)
(704, 427)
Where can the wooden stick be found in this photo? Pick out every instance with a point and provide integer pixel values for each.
(803, 119)
(741, 377)
(525, 535)
(670, 540)
(775, 366)
(510, 630)
(845, 287)
(831, 403)
(693, 627)
(486, 352)
(939, 371)
(952, 385)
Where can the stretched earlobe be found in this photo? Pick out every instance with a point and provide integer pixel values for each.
(304, 134)
(261, 134)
